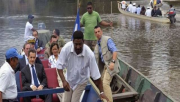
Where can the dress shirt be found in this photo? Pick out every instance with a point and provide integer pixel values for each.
(111, 46)
(8, 85)
(32, 79)
(79, 67)
(26, 58)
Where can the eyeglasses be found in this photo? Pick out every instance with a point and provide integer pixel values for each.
(89, 8)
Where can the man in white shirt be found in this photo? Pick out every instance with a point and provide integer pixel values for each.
(134, 8)
(28, 28)
(130, 7)
(8, 87)
(138, 10)
(148, 12)
(80, 63)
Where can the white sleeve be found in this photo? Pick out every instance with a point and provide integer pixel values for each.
(30, 26)
(4, 82)
(60, 64)
(94, 70)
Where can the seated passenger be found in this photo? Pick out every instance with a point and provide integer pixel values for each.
(153, 12)
(134, 8)
(38, 43)
(138, 10)
(143, 11)
(46, 52)
(24, 61)
(158, 12)
(148, 12)
(34, 77)
(54, 51)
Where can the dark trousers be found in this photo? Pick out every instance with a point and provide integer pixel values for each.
(46, 98)
(10, 100)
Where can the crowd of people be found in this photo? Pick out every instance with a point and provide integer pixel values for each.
(131, 7)
(89, 55)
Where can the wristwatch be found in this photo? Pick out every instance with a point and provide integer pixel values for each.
(113, 61)
(101, 93)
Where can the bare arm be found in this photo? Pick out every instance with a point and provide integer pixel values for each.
(65, 83)
(98, 83)
(60, 71)
(0, 96)
(114, 55)
(104, 23)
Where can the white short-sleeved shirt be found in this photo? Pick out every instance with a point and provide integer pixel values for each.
(28, 30)
(123, 4)
(130, 7)
(8, 85)
(79, 67)
(148, 12)
(138, 10)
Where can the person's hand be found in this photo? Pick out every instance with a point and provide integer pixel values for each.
(111, 24)
(33, 87)
(40, 87)
(66, 86)
(103, 96)
(111, 66)
(38, 50)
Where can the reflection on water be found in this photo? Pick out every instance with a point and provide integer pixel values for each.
(151, 47)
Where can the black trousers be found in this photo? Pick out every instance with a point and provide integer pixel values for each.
(10, 100)
(46, 98)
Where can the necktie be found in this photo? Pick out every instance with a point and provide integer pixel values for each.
(34, 77)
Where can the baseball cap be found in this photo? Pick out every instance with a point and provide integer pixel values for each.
(12, 52)
(30, 16)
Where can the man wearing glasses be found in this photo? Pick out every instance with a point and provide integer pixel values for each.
(89, 20)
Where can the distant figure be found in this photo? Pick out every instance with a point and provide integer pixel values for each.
(34, 78)
(153, 12)
(89, 20)
(28, 28)
(60, 40)
(54, 52)
(130, 7)
(151, 3)
(47, 51)
(148, 12)
(38, 43)
(172, 11)
(138, 10)
(134, 8)
(158, 12)
(143, 11)
(8, 87)
(123, 5)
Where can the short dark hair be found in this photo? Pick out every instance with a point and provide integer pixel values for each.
(97, 27)
(89, 3)
(52, 45)
(36, 31)
(171, 5)
(57, 32)
(53, 36)
(31, 50)
(25, 45)
(78, 35)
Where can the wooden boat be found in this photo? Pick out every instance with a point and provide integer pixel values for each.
(133, 87)
(157, 19)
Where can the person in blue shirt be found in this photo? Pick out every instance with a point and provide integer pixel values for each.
(106, 58)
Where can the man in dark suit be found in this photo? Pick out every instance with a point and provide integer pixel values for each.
(38, 43)
(24, 61)
(34, 77)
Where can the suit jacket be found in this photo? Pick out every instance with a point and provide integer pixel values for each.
(40, 43)
(22, 63)
(26, 76)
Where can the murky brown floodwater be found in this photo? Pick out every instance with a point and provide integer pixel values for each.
(151, 47)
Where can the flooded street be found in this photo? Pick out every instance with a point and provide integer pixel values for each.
(152, 48)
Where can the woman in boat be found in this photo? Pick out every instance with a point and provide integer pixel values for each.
(54, 51)
(143, 10)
